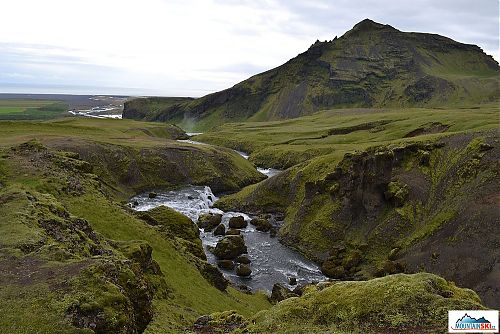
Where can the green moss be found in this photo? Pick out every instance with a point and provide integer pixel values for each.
(402, 303)
(397, 192)
(36, 306)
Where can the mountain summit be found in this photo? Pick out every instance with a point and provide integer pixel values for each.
(371, 65)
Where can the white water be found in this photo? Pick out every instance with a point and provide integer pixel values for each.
(269, 172)
(272, 262)
(90, 113)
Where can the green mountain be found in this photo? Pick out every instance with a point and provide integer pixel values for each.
(371, 65)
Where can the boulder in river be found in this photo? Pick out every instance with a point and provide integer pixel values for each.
(273, 232)
(243, 270)
(261, 224)
(233, 231)
(230, 247)
(208, 221)
(226, 264)
(243, 259)
(152, 195)
(280, 292)
(220, 230)
(237, 222)
(292, 281)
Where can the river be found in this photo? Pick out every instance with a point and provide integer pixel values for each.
(272, 262)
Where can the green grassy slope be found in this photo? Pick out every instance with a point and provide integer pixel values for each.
(131, 156)
(73, 256)
(372, 65)
(395, 304)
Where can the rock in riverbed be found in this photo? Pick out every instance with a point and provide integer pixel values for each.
(237, 222)
(230, 247)
(226, 264)
(233, 231)
(208, 221)
(243, 259)
(261, 224)
(243, 270)
(220, 230)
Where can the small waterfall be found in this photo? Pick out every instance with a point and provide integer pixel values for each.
(191, 201)
(208, 197)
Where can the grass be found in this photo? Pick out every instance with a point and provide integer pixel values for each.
(124, 132)
(27, 109)
(282, 144)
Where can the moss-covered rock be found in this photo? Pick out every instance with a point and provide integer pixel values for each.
(233, 231)
(230, 247)
(243, 259)
(398, 303)
(212, 275)
(209, 221)
(261, 224)
(243, 270)
(172, 222)
(226, 264)
(220, 230)
(280, 293)
(220, 323)
(237, 222)
(396, 192)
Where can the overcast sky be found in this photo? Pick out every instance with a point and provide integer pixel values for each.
(194, 47)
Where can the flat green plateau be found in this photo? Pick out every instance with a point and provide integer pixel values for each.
(25, 109)
(281, 144)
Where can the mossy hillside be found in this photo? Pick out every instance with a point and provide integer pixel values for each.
(133, 133)
(147, 108)
(52, 265)
(399, 303)
(132, 170)
(393, 198)
(34, 168)
(131, 157)
(372, 65)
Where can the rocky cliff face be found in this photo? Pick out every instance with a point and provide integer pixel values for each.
(372, 65)
(423, 206)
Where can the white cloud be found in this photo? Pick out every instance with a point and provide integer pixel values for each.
(191, 47)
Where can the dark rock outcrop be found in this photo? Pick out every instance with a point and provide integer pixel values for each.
(209, 221)
(261, 224)
(243, 259)
(243, 270)
(281, 292)
(237, 222)
(230, 247)
(220, 230)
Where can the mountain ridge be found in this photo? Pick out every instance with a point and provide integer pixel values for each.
(371, 65)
